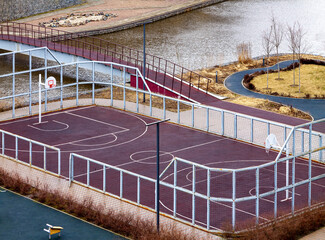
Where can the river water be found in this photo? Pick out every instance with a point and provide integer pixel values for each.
(209, 36)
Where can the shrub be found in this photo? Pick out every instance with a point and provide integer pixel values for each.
(123, 223)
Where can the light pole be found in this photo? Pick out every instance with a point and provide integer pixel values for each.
(158, 170)
(144, 60)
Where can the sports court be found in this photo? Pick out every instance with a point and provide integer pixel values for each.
(122, 139)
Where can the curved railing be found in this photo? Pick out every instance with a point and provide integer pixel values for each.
(169, 74)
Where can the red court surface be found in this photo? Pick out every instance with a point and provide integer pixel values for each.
(122, 139)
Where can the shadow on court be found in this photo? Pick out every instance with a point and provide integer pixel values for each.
(22, 218)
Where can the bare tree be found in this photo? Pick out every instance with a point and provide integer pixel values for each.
(301, 46)
(268, 47)
(277, 37)
(292, 40)
(244, 52)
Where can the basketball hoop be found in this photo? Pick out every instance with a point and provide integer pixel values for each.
(272, 142)
(50, 82)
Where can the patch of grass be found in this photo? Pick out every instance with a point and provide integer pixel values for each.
(312, 84)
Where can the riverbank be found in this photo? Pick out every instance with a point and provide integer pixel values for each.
(129, 13)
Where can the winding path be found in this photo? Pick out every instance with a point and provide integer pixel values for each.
(315, 107)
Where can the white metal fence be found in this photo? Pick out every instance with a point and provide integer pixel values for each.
(83, 86)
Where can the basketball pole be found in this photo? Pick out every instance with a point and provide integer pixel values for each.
(40, 98)
(158, 169)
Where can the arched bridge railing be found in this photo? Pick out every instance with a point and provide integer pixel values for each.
(171, 75)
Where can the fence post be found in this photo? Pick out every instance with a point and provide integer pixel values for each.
(137, 89)
(150, 101)
(138, 190)
(61, 87)
(93, 84)
(71, 163)
(124, 82)
(104, 178)
(59, 162)
(30, 83)
(13, 85)
(121, 184)
(293, 171)
(233, 200)
(257, 188)
(208, 198)
(193, 194)
(44, 152)
(222, 123)
(164, 107)
(309, 166)
(192, 115)
(275, 189)
(178, 113)
(321, 151)
(16, 147)
(252, 130)
(30, 153)
(208, 119)
(112, 84)
(3, 143)
(88, 172)
(77, 81)
(45, 77)
(175, 191)
(235, 126)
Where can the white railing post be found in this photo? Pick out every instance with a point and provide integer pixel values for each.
(193, 194)
(71, 166)
(59, 162)
(175, 191)
(233, 200)
(104, 178)
(44, 153)
(257, 188)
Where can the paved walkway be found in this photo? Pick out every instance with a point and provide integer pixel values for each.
(23, 218)
(315, 107)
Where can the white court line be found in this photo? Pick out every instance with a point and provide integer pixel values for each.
(44, 116)
(97, 121)
(90, 138)
(40, 123)
(49, 130)
(178, 150)
(118, 144)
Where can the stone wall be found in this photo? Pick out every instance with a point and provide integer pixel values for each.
(14, 9)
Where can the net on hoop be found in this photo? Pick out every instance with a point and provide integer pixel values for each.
(270, 142)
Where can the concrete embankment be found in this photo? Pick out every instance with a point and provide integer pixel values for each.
(130, 13)
(149, 18)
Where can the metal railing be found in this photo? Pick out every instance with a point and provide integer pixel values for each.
(304, 141)
(159, 70)
(31, 152)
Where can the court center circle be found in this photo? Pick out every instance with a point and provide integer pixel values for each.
(150, 157)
